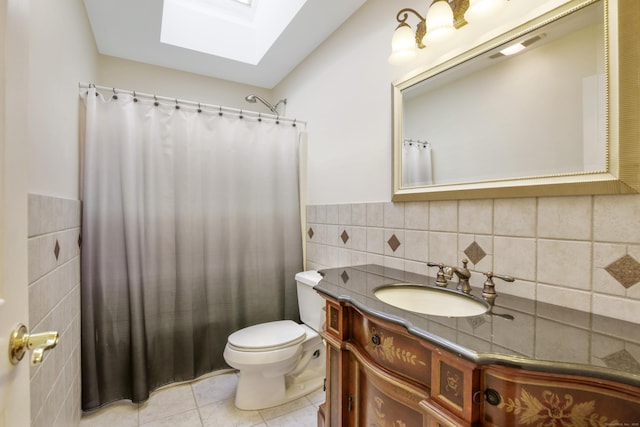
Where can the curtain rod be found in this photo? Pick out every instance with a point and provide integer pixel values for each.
(177, 102)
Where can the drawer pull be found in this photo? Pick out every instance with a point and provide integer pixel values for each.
(375, 340)
(492, 397)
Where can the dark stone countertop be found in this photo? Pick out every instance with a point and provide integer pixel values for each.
(540, 336)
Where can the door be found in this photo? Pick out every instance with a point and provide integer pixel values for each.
(14, 379)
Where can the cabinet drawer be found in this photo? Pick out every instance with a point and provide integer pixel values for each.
(393, 350)
(334, 323)
(453, 382)
(521, 397)
(380, 402)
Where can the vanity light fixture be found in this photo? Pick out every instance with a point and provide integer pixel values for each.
(513, 49)
(443, 17)
(479, 9)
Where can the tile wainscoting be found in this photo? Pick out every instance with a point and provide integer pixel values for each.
(54, 305)
(582, 252)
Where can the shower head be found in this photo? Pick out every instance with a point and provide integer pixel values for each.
(274, 108)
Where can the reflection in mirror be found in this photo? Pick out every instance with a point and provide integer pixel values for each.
(534, 106)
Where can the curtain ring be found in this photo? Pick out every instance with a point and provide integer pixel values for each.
(278, 119)
(115, 95)
(294, 122)
(155, 101)
(135, 99)
(259, 117)
(199, 108)
(241, 116)
(177, 106)
(220, 110)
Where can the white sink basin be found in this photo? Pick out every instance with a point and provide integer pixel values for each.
(433, 301)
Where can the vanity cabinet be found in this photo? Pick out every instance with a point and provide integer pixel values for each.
(380, 375)
(518, 397)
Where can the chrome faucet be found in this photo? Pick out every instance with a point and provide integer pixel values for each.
(463, 276)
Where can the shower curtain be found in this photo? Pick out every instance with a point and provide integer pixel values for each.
(191, 230)
(416, 163)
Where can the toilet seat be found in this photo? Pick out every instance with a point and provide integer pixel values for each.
(267, 336)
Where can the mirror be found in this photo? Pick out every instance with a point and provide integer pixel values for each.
(547, 120)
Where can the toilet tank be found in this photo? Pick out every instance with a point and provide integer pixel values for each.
(310, 303)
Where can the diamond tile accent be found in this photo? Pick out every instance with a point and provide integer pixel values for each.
(625, 270)
(56, 250)
(623, 361)
(310, 233)
(476, 321)
(344, 276)
(475, 253)
(393, 242)
(344, 236)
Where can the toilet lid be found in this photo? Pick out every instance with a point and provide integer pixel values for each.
(268, 336)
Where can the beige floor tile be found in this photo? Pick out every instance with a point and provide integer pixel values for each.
(184, 419)
(300, 418)
(167, 402)
(225, 414)
(278, 411)
(215, 389)
(121, 414)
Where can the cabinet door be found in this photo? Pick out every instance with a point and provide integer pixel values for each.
(337, 409)
(379, 401)
(437, 416)
(516, 397)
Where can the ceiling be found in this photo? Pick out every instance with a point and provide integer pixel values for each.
(133, 29)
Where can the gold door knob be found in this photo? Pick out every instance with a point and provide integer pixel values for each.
(20, 341)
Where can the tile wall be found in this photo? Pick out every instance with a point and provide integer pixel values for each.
(581, 252)
(54, 305)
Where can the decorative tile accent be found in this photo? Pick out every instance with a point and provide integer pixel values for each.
(344, 276)
(56, 250)
(344, 236)
(475, 253)
(625, 270)
(476, 321)
(310, 233)
(393, 242)
(622, 360)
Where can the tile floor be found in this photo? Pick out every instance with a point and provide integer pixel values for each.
(206, 402)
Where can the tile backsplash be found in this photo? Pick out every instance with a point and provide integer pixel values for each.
(582, 252)
(54, 305)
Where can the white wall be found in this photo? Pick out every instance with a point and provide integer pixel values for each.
(343, 89)
(61, 53)
(129, 75)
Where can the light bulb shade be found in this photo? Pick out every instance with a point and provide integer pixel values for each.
(479, 9)
(439, 21)
(403, 45)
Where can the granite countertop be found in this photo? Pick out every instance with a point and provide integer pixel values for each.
(540, 336)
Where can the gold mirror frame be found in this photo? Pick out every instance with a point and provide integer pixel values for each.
(622, 41)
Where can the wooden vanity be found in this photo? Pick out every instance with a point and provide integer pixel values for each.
(389, 368)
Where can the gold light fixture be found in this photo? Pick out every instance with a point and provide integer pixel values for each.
(442, 19)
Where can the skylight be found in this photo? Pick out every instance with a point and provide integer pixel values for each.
(241, 30)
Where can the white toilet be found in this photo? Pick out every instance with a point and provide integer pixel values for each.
(280, 361)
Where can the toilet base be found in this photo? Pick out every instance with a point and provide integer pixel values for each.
(257, 392)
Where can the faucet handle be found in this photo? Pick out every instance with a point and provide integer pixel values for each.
(441, 279)
(489, 287)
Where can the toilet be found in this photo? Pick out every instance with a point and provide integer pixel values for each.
(280, 361)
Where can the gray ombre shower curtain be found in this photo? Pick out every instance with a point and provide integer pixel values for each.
(191, 230)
